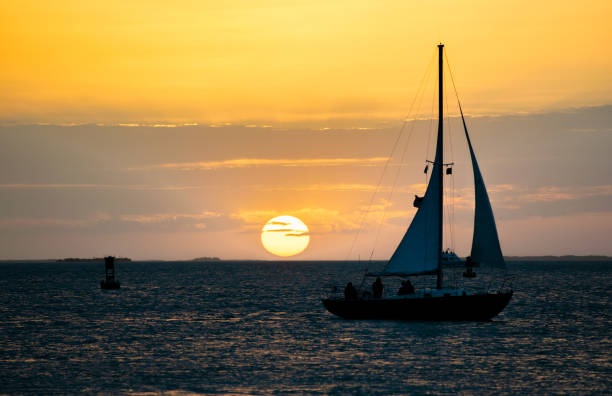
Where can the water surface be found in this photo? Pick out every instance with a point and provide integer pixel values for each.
(259, 327)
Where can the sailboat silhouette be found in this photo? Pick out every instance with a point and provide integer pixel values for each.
(420, 253)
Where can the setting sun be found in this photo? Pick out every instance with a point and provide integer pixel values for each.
(285, 236)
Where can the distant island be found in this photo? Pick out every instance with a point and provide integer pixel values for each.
(94, 259)
(206, 259)
(558, 258)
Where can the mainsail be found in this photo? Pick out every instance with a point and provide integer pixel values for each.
(420, 248)
(485, 241)
(418, 253)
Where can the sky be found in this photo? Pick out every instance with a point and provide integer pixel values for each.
(177, 130)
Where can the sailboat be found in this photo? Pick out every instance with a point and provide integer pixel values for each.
(420, 253)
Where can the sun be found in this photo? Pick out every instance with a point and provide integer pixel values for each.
(285, 236)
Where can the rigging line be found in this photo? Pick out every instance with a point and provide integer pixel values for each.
(365, 212)
(445, 196)
(429, 128)
(452, 210)
(399, 135)
(431, 118)
(450, 71)
(450, 199)
(446, 225)
(455, 88)
(406, 145)
(448, 122)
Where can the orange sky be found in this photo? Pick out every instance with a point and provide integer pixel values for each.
(190, 191)
(175, 130)
(200, 61)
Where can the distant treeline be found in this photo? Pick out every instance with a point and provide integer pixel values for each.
(558, 258)
(207, 259)
(98, 259)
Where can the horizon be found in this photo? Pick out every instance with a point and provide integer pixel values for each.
(594, 257)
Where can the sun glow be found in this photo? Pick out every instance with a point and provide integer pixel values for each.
(285, 236)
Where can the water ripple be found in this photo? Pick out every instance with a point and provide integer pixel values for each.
(259, 328)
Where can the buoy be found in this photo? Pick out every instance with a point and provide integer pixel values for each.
(110, 282)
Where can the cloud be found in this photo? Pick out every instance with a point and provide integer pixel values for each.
(512, 196)
(553, 193)
(520, 201)
(325, 220)
(261, 162)
(591, 130)
(154, 125)
(53, 223)
(293, 232)
(208, 221)
(122, 223)
(259, 217)
(298, 234)
(162, 217)
(350, 187)
(62, 186)
(320, 220)
(559, 234)
(503, 187)
(506, 192)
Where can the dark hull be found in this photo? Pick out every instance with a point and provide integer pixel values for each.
(478, 307)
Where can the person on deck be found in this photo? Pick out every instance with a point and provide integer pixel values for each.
(350, 293)
(377, 288)
(406, 288)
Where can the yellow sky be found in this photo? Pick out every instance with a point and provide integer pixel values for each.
(181, 61)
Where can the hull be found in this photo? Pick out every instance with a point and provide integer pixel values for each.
(476, 307)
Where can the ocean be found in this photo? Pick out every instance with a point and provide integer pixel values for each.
(260, 328)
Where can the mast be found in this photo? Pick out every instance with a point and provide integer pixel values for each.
(420, 250)
(440, 160)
